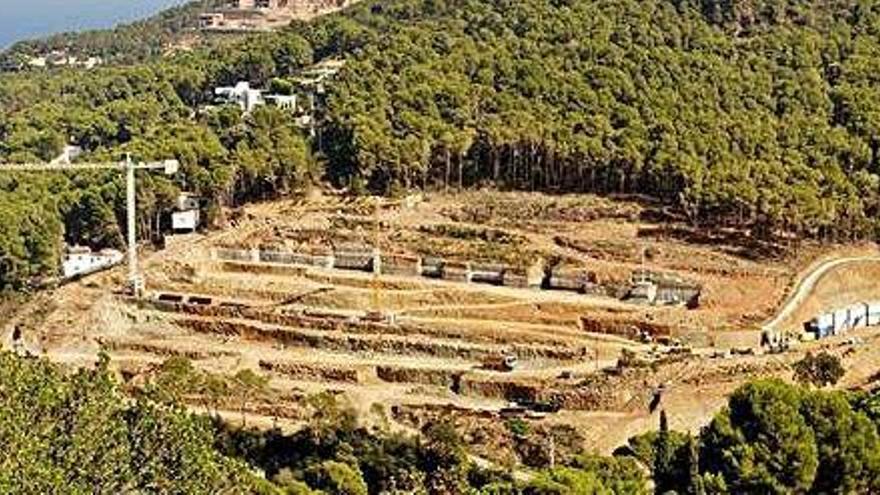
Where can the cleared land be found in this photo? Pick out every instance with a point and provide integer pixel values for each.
(305, 328)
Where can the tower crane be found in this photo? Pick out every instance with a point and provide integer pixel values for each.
(169, 167)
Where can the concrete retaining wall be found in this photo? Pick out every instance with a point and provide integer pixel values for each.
(226, 254)
(368, 260)
(626, 327)
(402, 265)
(354, 260)
(671, 289)
(689, 296)
(321, 261)
(456, 271)
(487, 273)
(432, 267)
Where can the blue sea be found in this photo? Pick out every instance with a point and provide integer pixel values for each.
(24, 19)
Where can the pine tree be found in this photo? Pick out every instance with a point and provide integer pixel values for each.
(663, 458)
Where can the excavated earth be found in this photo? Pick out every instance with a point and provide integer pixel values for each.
(305, 327)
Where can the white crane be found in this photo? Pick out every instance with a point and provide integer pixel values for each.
(170, 167)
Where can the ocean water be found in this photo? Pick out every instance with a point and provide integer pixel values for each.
(24, 19)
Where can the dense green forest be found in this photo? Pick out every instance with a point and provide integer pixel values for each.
(85, 432)
(754, 114)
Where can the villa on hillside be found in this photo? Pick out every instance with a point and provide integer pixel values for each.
(248, 98)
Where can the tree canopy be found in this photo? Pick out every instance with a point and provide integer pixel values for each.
(753, 114)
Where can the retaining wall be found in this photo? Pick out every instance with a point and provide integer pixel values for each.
(314, 372)
(568, 279)
(456, 271)
(321, 261)
(478, 386)
(268, 268)
(432, 267)
(367, 260)
(622, 326)
(423, 376)
(355, 260)
(487, 273)
(402, 265)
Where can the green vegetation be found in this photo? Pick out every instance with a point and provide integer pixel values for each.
(771, 438)
(750, 113)
(144, 110)
(78, 433)
(756, 114)
(820, 369)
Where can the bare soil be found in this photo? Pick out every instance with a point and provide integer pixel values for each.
(303, 327)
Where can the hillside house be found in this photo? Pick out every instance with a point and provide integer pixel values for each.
(242, 95)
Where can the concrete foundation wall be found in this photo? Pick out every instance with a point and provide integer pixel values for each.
(457, 271)
(225, 254)
(516, 280)
(322, 261)
(354, 260)
(487, 273)
(432, 267)
(563, 282)
(402, 265)
(689, 296)
(531, 277)
(367, 260)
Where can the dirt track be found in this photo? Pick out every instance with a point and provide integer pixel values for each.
(850, 279)
(265, 320)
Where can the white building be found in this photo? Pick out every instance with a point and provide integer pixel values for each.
(242, 95)
(80, 260)
(187, 216)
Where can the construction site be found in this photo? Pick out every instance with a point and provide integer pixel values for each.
(567, 311)
(262, 15)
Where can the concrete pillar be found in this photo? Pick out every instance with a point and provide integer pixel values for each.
(377, 261)
(135, 282)
(535, 274)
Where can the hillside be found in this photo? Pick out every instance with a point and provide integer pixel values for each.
(755, 115)
(752, 113)
(452, 247)
(126, 43)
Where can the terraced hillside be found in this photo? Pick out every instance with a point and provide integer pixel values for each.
(291, 290)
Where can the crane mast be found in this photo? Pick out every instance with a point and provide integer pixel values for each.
(169, 167)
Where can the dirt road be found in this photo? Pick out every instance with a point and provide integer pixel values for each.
(806, 285)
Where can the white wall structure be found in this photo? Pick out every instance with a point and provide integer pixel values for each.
(80, 261)
(242, 95)
(185, 220)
